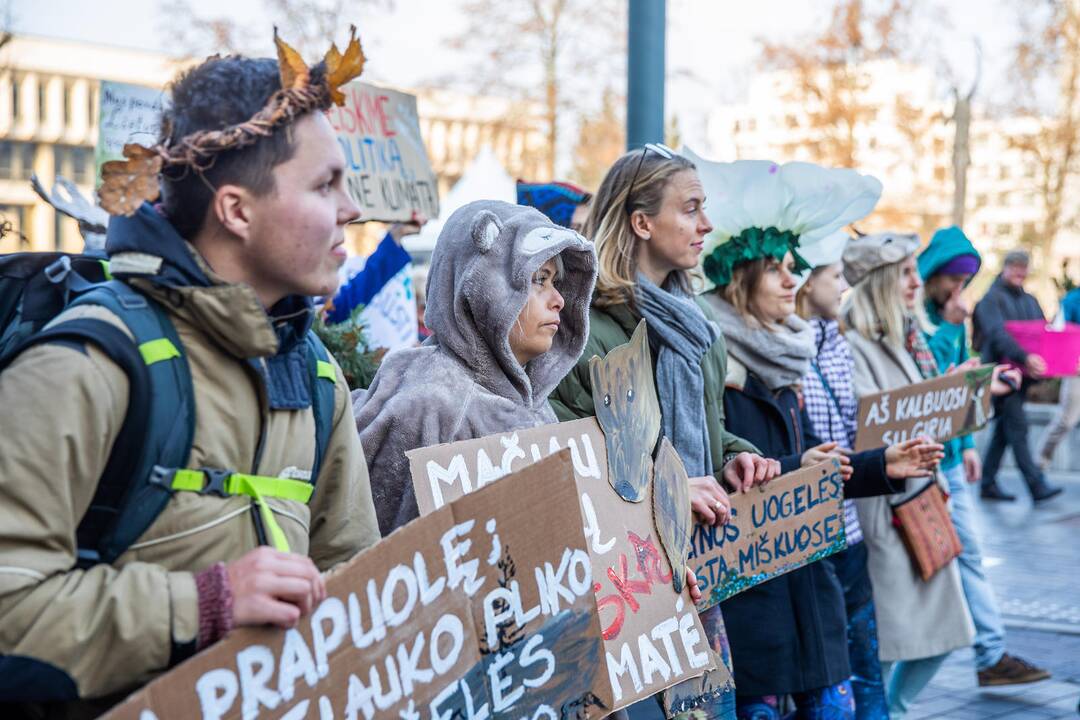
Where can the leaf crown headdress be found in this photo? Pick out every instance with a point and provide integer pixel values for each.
(127, 183)
(761, 209)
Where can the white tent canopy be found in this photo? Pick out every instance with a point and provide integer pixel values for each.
(484, 179)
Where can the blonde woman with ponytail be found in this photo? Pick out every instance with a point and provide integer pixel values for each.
(648, 223)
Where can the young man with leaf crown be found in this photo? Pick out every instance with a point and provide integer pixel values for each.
(269, 487)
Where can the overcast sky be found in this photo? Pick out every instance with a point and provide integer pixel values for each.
(712, 44)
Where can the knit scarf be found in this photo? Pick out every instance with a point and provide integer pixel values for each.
(779, 358)
(681, 336)
(920, 351)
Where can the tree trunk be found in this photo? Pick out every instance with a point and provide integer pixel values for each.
(961, 155)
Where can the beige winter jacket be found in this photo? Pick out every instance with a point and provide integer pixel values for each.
(915, 619)
(113, 627)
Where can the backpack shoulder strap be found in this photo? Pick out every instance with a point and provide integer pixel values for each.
(126, 503)
(323, 380)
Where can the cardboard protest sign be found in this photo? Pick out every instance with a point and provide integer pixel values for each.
(671, 509)
(652, 636)
(624, 394)
(481, 609)
(942, 409)
(126, 114)
(387, 172)
(792, 521)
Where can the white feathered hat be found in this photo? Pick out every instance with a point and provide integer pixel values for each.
(827, 251)
(761, 209)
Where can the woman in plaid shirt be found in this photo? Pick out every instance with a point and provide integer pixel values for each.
(830, 402)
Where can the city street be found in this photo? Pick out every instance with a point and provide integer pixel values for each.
(1034, 562)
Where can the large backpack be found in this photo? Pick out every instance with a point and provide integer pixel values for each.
(148, 460)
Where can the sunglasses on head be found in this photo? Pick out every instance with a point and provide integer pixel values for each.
(660, 149)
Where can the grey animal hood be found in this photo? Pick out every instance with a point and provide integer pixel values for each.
(465, 382)
(479, 282)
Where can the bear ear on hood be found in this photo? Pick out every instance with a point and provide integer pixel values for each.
(485, 230)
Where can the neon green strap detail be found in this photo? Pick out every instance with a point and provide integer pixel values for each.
(157, 350)
(105, 268)
(190, 480)
(256, 487)
(325, 370)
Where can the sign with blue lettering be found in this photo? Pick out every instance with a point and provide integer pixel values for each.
(387, 172)
(792, 521)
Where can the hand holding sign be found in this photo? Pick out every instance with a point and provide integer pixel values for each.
(1007, 379)
(709, 502)
(913, 458)
(829, 451)
(270, 587)
(747, 470)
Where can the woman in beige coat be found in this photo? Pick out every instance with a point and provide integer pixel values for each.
(919, 622)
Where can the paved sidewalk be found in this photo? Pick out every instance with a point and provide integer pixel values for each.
(1033, 556)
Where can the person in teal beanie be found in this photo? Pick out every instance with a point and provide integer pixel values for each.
(947, 266)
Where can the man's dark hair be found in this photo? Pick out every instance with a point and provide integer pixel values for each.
(222, 91)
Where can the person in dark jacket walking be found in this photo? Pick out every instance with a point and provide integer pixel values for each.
(1007, 300)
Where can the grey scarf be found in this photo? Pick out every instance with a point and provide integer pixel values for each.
(682, 336)
(780, 358)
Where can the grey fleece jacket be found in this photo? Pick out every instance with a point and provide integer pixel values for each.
(464, 381)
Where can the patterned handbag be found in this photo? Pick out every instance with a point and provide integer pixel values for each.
(927, 530)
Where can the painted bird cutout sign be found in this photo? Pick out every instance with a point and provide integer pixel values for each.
(624, 395)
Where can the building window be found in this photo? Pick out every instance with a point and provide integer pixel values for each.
(1003, 198)
(15, 106)
(16, 160)
(58, 230)
(980, 200)
(74, 163)
(41, 102)
(13, 218)
(67, 105)
(83, 161)
(939, 173)
(1004, 229)
(1003, 172)
(91, 116)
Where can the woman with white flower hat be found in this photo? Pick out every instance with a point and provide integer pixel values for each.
(787, 635)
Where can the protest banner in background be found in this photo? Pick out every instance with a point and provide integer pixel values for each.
(652, 636)
(387, 172)
(481, 609)
(389, 318)
(791, 521)
(126, 114)
(943, 408)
